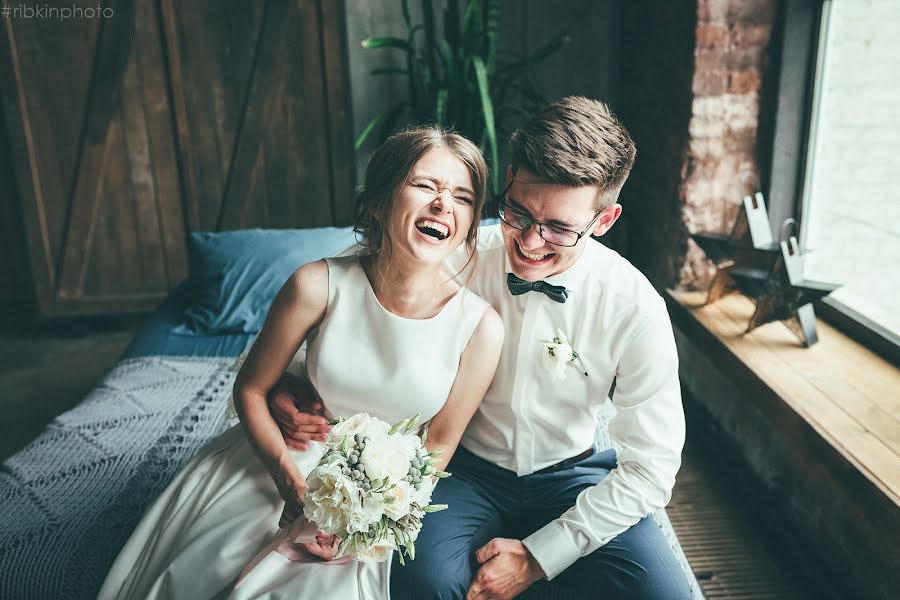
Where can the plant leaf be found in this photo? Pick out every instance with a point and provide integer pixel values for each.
(405, 8)
(386, 42)
(491, 32)
(388, 71)
(367, 131)
(412, 422)
(542, 53)
(397, 427)
(487, 109)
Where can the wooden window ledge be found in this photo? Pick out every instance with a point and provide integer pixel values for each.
(846, 393)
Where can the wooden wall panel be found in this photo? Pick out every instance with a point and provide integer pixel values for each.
(262, 123)
(127, 132)
(105, 232)
(14, 282)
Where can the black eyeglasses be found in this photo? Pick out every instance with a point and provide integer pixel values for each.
(552, 234)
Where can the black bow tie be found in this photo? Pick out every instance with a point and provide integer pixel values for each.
(519, 286)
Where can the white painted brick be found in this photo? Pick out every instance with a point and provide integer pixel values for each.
(853, 222)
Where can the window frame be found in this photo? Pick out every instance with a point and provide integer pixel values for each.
(798, 44)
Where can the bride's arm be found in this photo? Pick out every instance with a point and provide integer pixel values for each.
(477, 366)
(298, 307)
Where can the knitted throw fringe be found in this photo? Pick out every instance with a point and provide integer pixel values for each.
(83, 485)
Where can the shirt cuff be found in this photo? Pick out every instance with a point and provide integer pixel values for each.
(552, 548)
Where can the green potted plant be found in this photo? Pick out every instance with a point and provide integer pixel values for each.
(457, 79)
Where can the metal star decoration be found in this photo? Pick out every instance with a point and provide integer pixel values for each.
(749, 245)
(782, 294)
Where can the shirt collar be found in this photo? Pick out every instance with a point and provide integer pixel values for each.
(573, 277)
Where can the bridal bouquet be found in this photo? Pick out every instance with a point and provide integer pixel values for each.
(372, 487)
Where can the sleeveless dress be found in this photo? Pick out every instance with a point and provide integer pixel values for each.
(223, 507)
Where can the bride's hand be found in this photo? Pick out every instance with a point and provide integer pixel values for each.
(325, 545)
(292, 493)
(292, 511)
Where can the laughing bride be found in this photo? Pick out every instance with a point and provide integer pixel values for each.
(387, 333)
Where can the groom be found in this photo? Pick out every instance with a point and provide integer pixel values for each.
(530, 497)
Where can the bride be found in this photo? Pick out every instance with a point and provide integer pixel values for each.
(388, 333)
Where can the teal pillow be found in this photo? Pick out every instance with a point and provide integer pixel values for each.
(235, 275)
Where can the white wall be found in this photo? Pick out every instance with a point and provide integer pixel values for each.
(852, 222)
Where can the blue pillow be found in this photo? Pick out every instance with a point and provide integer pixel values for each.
(235, 275)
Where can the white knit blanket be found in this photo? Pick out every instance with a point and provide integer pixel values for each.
(70, 500)
(73, 496)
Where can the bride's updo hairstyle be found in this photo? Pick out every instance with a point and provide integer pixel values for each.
(389, 168)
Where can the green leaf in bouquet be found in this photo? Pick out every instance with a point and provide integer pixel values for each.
(412, 422)
(397, 427)
(424, 434)
(441, 474)
(435, 508)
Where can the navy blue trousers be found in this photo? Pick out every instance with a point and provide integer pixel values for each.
(487, 501)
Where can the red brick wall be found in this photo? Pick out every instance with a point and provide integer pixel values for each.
(654, 100)
(730, 59)
(691, 73)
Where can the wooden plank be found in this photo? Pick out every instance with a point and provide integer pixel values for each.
(162, 163)
(336, 101)
(859, 427)
(839, 510)
(103, 112)
(189, 177)
(13, 261)
(285, 114)
(212, 49)
(852, 377)
(24, 152)
(865, 450)
(148, 263)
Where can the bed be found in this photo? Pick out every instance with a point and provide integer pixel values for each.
(71, 498)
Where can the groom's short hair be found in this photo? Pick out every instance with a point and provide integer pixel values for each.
(576, 141)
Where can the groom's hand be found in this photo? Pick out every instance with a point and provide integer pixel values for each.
(507, 570)
(294, 407)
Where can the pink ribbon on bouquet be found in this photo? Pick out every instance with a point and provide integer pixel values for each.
(286, 543)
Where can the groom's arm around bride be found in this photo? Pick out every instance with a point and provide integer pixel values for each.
(530, 497)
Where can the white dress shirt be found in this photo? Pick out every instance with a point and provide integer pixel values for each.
(618, 324)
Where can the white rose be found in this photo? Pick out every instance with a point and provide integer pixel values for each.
(554, 365)
(363, 512)
(563, 353)
(421, 495)
(402, 495)
(377, 553)
(329, 499)
(387, 456)
(375, 428)
(355, 424)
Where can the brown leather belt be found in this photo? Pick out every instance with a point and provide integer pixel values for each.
(565, 463)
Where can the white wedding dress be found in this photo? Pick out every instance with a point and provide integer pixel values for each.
(223, 507)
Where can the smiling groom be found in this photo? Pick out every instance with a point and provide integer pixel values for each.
(530, 497)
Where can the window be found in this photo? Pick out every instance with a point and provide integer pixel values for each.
(850, 210)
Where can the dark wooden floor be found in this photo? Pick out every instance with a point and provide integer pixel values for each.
(732, 546)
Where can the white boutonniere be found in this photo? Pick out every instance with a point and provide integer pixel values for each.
(559, 353)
